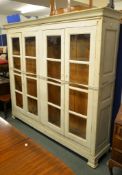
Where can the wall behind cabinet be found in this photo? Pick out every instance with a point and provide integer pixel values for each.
(3, 40)
(118, 83)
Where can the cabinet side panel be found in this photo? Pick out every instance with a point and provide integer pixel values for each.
(109, 51)
(106, 84)
(109, 54)
(104, 116)
(103, 126)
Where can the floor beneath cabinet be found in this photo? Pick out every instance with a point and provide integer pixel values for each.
(74, 161)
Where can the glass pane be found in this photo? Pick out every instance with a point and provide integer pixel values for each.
(54, 69)
(54, 94)
(16, 63)
(54, 47)
(31, 65)
(19, 100)
(79, 73)
(32, 87)
(18, 83)
(54, 115)
(30, 46)
(77, 126)
(32, 106)
(80, 47)
(78, 101)
(16, 46)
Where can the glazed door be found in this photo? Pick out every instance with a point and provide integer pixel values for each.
(16, 76)
(30, 73)
(54, 77)
(79, 61)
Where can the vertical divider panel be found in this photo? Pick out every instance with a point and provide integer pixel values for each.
(39, 66)
(43, 76)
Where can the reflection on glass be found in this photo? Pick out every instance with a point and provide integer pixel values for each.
(54, 94)
(31, 76)
(74, 84)
(54, 47)
(51, 80)
(54, 69)
(19, 100)
(32, 106)
(77, 126)
(79, 73)
(31, 65)
(80, 47)
(32, 87)
(15, 46)
(16, 63)
(18, 83)
(17, 72)
(78, 101)
(54, 115)
(30, 46)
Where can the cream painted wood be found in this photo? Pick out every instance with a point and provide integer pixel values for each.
(94, 13)
(40, 75)
(103, 26)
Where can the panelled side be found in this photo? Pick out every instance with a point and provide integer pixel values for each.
(106, 83)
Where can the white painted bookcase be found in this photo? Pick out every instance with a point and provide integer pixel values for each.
(62, 73)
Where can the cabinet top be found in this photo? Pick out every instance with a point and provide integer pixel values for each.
(93, 13)
(119, 116)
